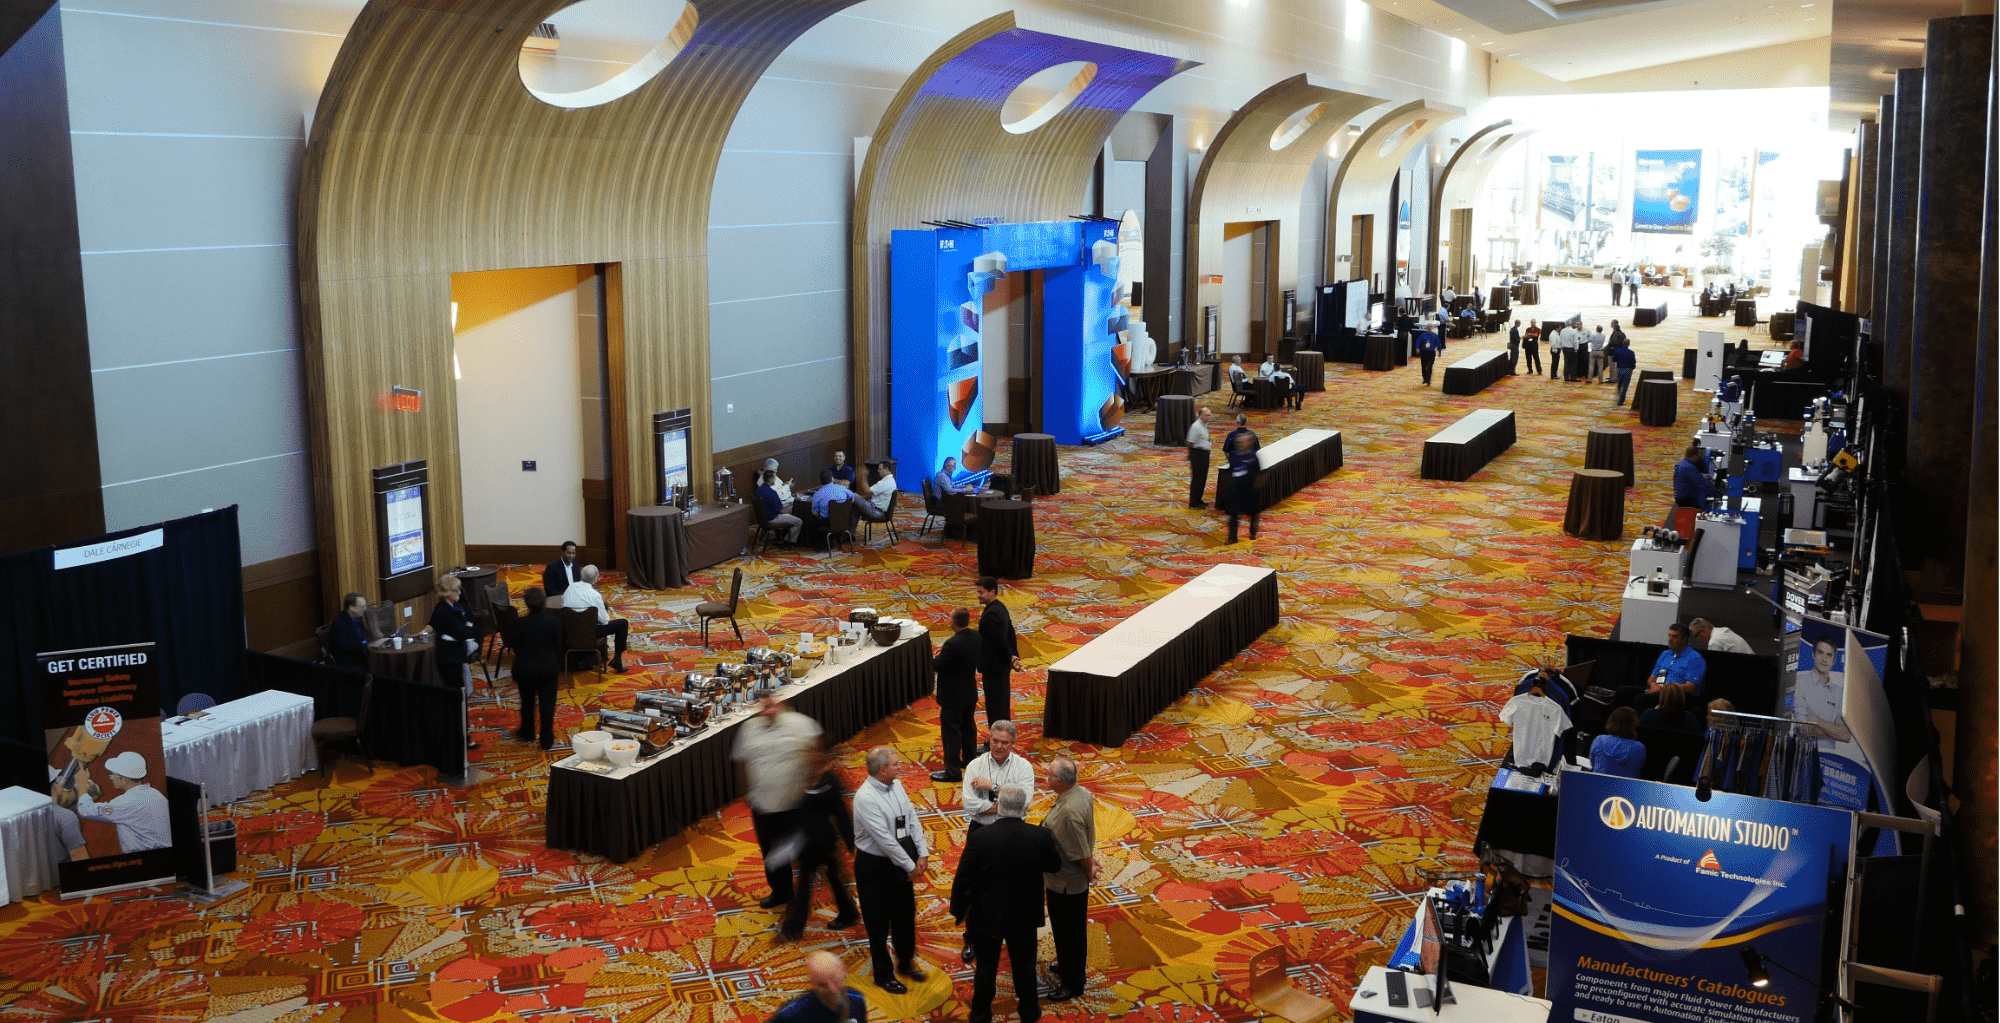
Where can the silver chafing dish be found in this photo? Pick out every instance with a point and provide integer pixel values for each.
(653, 734)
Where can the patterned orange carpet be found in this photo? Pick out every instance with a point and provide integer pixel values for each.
(1289, 799)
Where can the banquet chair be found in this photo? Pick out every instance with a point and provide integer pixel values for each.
(325, 652)
(497, 595)
(709, 611)
(839, 523)
(1241, 393)
(760, 537)
(888, 521)
(380, 619)
(578, 635)
(327, 731)
(504, 617)
(1271, 989)
(485, 629)
(932, 510)
(193, 702)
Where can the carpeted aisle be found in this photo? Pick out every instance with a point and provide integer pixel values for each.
(1291, 798)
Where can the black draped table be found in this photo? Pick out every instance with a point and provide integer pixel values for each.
(1270, 396)
(622, 812)
(656, 548)
(1172, 418)
(412, 660)
(1461, 449)
(1609, 448)
(1657, 402)
(1657, 374)
(1311, 374)
(1380, 354)
(716, 533)
(408, 722)
(1649, 315)
(1342, 347)
(1007, 539)
(1148, 387)
(1289, 466)
(1473, 373)
(1035, 464)
(1596, 508)
(1112, 686)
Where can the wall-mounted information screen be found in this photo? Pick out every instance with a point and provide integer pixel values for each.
(672, 434)
(405, 512)
(403, 560)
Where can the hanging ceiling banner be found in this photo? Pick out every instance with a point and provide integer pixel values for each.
(1666, 191)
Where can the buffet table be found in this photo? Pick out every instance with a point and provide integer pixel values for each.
(29, 846)
(242, 746)
(1289, 466)
(619, 812)
(1473, 373)
(1113, 685)
(1463, 448)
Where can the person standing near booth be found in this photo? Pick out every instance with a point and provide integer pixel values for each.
(890, 856)
(1197, 449)
(956, 665)
(1243, 470)
(537, 665)
(999, 652)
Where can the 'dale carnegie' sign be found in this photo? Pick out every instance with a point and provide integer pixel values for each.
(1658, 893)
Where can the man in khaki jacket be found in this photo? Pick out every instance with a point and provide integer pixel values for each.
(1073, 819)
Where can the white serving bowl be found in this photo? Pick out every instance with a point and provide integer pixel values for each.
(590, 745)
(621, 752)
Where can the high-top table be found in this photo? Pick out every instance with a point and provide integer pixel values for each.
(1596, 505)
(1657, 402)
(1287, 467)
(1473, 373)
(656, 548)
(1172, 417)
(1381, 353)
(242, 746)
(1148, 387)
(475, 579)
(1463, 448)
(1035, 464)
(1112, 686)
(1609, 448)
(1007, 539)
(413, 661)
(1311, 374)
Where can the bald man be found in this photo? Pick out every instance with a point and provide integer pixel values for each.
(828, 998)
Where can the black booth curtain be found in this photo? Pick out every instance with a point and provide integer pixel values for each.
(185, 595)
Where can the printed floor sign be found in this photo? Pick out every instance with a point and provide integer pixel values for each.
(1658, 893)
(101, 717)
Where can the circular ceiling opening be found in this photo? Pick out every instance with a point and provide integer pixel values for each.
(584, 55)
(1298, 124)
(1396, 137)
(1046, 93)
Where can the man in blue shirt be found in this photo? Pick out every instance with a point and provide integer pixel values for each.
(941, 484)
(829, 494)
(1692, 487)
(774, 509)
(1679, 665)
(842, 472)
(1622, 357)
(1428, 345)
(829, 1001)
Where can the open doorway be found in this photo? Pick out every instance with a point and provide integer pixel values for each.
(1362, 245)
(1251, 318)
(1010, 352)
(534, 423)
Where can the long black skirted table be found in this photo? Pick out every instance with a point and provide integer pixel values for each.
(1649, 315)
(1463, 448)
(408, 722)
(1287, 467)
(1473, 373)
(620, 814)
(1113, 685)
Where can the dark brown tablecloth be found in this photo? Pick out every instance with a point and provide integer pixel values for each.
(475, 579)
(656, 548)
(1171, 419)
(1608, 448)
(1146, 388)
(1007, 539)
(716, 533)
(1289, 474)
(1528, 293)
(414, 662)
(1381, 354)
(1269, 394)
(1596, 505)
(1463, 448)
(620, 818)
(1657, 374)
(1311, 374)
(1657, 401)
(1106, 710)
(1035, 464)
(1473, 373)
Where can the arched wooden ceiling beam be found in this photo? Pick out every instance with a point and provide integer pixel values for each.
(1464, 175)
(428, 156)
(1259, 162)
(941, 153)
(1362, 178)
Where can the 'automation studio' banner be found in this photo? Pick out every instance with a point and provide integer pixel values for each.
(1657, 894)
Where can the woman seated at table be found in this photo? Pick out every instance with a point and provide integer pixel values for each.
(1670, 713)
(1618, 751)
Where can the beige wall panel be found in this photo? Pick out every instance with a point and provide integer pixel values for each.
(1459, 186)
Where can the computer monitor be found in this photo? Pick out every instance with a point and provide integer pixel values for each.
(1431, 959)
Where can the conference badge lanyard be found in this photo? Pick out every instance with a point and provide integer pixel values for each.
(903, 837)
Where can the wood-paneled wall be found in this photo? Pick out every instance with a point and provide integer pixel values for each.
(1458, 187)
(940, 153)
(427, 157)
(1243, 178)
(1361, 183)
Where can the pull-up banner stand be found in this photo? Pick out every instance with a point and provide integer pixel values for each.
(101, 716)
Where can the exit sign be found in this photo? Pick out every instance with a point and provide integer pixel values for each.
(403, 399)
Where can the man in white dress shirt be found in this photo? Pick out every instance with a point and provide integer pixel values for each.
(1717, 638)
(890, 856)
(1197, 449)
(775, 749)
(139, 811)
(988, 773)
(583, 593)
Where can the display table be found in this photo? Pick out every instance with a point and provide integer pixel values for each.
(1471, 1004)
(1289, 466)
(716, 533)
(1644, 617)
(1473, 373)
(1007, 539)
(1311, 374)
(1147, 388)
(1657, 374)
(29, 844)
(1649, 315)
(656, 550)
(621, 812)
(1380, 353)
(1528, 293)
(242, 746)
(413, 662)
(1463, 448)
(1113, 685)
(1609, 448)
(475, 579)
(1035, 464)
(1657, 401)
(1172, 416)
(1596, 505)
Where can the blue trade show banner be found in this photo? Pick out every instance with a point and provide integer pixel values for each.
(1659, 894)
(1666, 191)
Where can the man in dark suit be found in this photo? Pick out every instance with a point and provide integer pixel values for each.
(347, 637)
(957, 695)
(997, 894)
(998, 653)
(562, 571)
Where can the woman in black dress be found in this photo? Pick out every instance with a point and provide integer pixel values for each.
(537, 657)
(456, 636)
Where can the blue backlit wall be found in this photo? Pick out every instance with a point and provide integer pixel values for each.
(939, 280)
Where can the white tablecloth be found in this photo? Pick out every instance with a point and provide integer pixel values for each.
(29, 848)
(1125, 645)
(243, 745)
